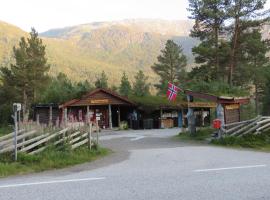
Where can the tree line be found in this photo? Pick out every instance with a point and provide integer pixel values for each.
(27, 81)
(231, 59)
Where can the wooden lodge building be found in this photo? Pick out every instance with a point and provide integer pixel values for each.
(108, 109)
(101, 105)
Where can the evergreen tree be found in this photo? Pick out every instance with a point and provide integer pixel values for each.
(246, 15)
(61, 89)
(102, 81)
(266, 94)
(141, 87)
(209, 16)
(28, 76)
(254, 62)
(82, 87)
(220, 25)
(171, 65)
(125, 87)
(114, 88)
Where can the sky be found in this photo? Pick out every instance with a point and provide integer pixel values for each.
(48, 14)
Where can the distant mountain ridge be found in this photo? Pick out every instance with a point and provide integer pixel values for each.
(163, 27)
(85, 50)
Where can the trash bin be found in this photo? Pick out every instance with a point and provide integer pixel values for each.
(148, 123)
(135, 124)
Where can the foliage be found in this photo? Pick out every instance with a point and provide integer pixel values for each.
(51, 158)
(140, 86)
(228, 31)
(61, 89)
(266, 94)
(217, 88)
(5, 129)
(123, 125)
(171, 65)
(26, 78)
(209, 16)
(102, 81)
(125, 87)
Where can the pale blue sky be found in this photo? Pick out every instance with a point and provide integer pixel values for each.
(47, 14)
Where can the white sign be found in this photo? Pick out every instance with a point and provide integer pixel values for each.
(17, 107)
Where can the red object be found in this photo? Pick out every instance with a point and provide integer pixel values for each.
(172, 91)
(217, 123)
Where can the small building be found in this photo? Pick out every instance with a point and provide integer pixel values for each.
(103, 106)
(108, 109)
(227, 108)
(46, 113)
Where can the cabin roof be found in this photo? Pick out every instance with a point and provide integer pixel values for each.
(219, 99)
(99, 96)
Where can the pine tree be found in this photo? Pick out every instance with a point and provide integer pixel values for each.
(28, 76)
(246, 15)
(102, 81)
(209, 16)
(140, 86)
(125, 87)
(254, 62)
(171, 65)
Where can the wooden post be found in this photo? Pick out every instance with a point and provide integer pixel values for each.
(50, 116)
(119, 116)
(90, 136)
(110, 116)
(37, 119)
(202, 118)
(88, 120)
(191, 117)
(97, 134)
(161, 112)
(65, 116)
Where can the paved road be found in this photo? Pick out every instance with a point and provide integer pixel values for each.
(151, 165)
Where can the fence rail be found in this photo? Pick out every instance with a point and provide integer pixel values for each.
(33, 141)
(253, 126)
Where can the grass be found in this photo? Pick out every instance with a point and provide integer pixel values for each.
(5, 129)
(201, 135)
(257, 142)
(51, 158)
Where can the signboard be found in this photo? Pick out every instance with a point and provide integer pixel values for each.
(232, 107)
(232, 113)
(99, 101)
(202, 105)
(17, 107)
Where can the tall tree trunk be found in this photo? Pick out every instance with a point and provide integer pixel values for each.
(216, 48)
(256, 99)
(233, 50)
(25, 107)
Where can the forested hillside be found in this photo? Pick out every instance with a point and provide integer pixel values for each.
(84, 51)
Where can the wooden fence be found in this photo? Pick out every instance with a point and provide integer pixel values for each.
(253, 126)
(34, 141)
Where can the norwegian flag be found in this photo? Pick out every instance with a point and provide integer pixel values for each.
(172, 91)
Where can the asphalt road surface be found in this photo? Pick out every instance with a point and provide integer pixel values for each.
(151, 165)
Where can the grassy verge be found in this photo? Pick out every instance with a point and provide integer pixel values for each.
(5, 129)
(201, 135)
(256, 142)
(51, 158)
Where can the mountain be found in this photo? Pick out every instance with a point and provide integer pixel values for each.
(85, 50)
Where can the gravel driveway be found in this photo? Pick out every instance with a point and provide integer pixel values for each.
(152, 165)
